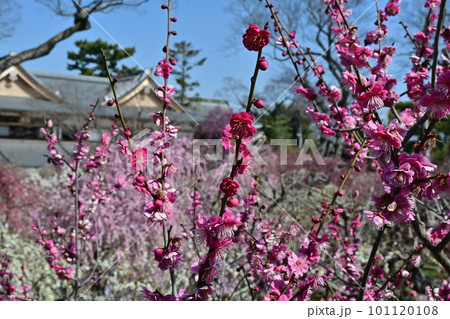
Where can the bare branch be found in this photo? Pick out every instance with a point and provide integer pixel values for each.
(9, 17)
(45, 48)
(436, 251)
(81, 23)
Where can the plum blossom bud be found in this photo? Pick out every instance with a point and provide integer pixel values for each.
(173, 19)
(405, 273)
(167, 101)
(173, 61)
(367, 117)
(127, 133)
(258, 103)
(263, 64)
(159, 203)
(164, 6)
(340, 193)
(173, 32)
(110, 102)
(115, 80)
(49, 123)
(232, 202)
(159, 252)
(229, 187)
(140, 179)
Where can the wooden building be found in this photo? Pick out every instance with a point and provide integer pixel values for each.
(28, 98)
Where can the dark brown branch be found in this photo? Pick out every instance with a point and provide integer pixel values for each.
(46, 47)
(436, 43)
(393, 275)
(370, 263)
(444, 242)
(81, 23)
(416, 127)
(436, 251)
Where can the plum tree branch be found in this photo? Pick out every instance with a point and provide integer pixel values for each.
(46, 47)
(81, 23)
(435, 250)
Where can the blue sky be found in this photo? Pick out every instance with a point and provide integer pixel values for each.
(202, 22)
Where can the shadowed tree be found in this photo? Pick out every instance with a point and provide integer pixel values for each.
(9, 17)
(213, 124)
(80, 11)
(234, 90)
(184, 53)
(89, 62)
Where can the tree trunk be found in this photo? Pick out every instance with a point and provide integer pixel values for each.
(46, 47)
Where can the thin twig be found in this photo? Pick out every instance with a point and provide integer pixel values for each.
(77, 251)
(336, 194)
(116, 100)
(394, 274)
(421, 232)
(436, 43)
(370, 263)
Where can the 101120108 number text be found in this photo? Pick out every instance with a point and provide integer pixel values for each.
(403, 310)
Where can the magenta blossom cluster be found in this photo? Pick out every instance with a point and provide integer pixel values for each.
(8, 289)
(404, 175)
(170, 256)
(438, 100)
(164, 92)
(218, 231)
(57, 158)
(286, 274)
(439, 294)
(436, 234)
(55, 254)
(240, 129)
(159, 208)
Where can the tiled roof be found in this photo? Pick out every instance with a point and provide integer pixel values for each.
(77, 92)
(47, 108)
(83, 89)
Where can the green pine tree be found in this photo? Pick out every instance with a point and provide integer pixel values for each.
(88, 60)
(183, 52)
